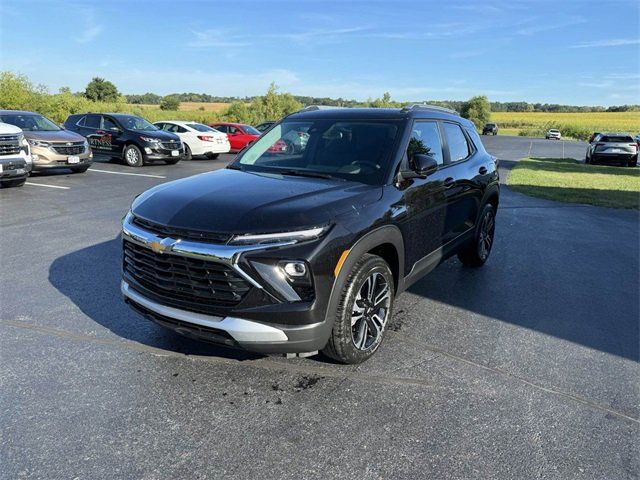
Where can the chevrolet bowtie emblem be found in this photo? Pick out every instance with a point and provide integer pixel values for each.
(163, 246)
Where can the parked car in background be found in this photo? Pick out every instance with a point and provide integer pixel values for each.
(52, 147)
(264, 126)
(613, 148)
(129, 137)
(314, 257)
(637, 139)
(239, 135)
(198, 139)
(15, 157)
(490, 129)
(553, 134)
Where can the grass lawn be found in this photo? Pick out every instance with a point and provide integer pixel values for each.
(566, 180)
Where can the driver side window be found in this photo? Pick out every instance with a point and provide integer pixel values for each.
(108, 124)
(425, 139)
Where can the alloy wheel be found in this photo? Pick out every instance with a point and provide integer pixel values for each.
(485, 240)
(370, 311)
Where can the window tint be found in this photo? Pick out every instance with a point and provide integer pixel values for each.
(160, 125)
(425, 138)
(616, 139)
(232, 129)
(458, 146)
(92, 121)
(221, 128)
(109, 124)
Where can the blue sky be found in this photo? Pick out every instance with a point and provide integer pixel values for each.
(570, 52)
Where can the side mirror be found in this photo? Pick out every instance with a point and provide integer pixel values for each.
(423, 166)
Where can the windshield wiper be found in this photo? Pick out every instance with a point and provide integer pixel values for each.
(303, 173)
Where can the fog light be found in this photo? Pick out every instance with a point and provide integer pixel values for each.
(147, 150)
(34, 158)
(295, 269)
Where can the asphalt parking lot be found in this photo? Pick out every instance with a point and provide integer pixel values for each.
(527, 368)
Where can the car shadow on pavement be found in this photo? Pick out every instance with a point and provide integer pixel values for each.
(565, 288)
(90, 278)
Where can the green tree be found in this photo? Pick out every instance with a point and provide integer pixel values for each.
(477, 109)
(18, 93)
(101, 90)
(170, 102)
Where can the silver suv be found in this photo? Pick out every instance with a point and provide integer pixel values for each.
(609, 148)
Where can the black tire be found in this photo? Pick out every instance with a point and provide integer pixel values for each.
(587, 161)
(132, 156)
(633, 164)
(212, 156)
(80, 169)
(367, 331)
(172, 161)
(476, 254)
(187, 152)
(13, 183)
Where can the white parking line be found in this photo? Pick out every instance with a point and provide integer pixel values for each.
(563, 149)
(530, 146)
(125, 173)
(45, 185)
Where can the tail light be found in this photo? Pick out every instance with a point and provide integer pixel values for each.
(633, 145)
(205, 138)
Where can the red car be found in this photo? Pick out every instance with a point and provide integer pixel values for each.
(239, 134)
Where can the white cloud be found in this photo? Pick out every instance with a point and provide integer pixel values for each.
(543, 26)
(91, 27)
(612, 42)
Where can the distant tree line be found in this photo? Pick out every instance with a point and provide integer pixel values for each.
(154, 99)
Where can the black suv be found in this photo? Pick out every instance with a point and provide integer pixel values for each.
(296, 252)
(128, 137)
(490, 128)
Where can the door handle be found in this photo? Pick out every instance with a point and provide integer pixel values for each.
(483, 170)
(448, 182)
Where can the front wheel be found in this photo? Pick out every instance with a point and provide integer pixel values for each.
(476, 254)
(187, 152)
(364, 308)
(133, 156)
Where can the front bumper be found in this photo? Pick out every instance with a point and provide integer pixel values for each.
(152, 152)
(14, 167)
(272, 323)
(46, 159)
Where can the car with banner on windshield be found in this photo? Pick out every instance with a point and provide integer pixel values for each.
(198, 139)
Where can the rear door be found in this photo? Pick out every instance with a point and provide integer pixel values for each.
(464, 175)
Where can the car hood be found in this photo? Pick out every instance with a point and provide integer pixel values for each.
(55, 136)
(232, 201)
(159, 134)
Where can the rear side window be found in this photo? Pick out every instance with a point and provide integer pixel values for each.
(221, 128)
(425, 139)
(457, 142)
(92, 121)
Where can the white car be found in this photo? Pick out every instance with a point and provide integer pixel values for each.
(553, 134)
(198, 139)
(15, 156)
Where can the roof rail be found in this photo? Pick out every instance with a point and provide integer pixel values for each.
(426, 106)
(310, 108)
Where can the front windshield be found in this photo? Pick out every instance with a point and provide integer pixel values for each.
(200, 127)
(30, 122)
(356, 150)
(131, 122)
(250, 130)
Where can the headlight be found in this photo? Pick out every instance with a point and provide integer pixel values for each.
(38, 143)
(284, 237)
(149, 139)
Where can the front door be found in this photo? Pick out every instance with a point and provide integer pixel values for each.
(423, 225)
